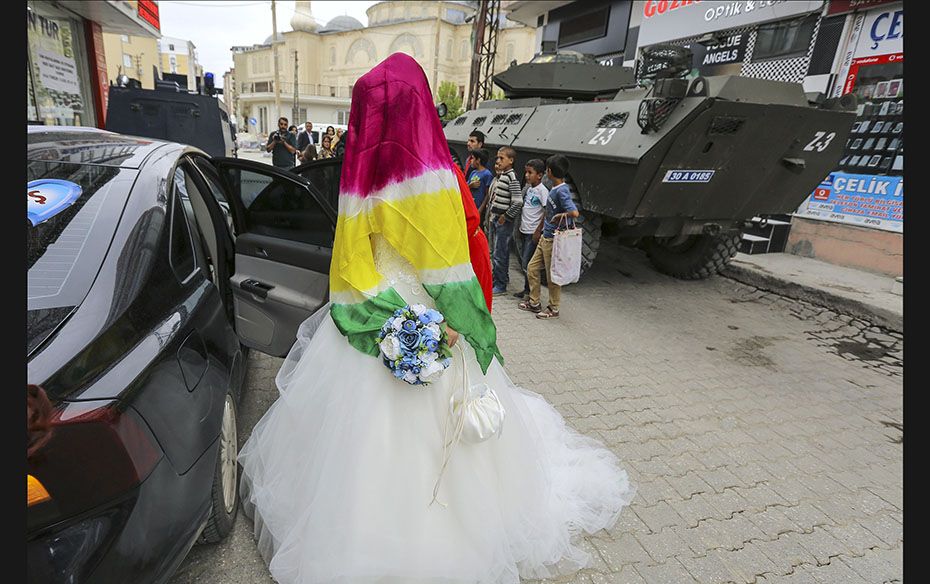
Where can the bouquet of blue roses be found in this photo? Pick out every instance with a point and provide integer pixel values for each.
(413, 344)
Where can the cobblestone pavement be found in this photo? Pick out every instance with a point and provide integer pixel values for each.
(764, 435)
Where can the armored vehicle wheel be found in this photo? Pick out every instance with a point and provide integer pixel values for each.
(696, 258)
(590, 224)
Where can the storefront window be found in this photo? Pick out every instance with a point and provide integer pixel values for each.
(781, 40)
(58, 88)
(876, 144)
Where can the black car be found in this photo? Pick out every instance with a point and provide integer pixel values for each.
(152, 269)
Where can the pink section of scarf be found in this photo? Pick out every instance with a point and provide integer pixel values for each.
(395, 131)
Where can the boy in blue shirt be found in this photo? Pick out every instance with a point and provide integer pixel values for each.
(479, 177)
(559, 206)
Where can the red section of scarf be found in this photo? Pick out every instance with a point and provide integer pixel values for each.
(478, 249)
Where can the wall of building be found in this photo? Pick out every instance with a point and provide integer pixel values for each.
(142, 53)
(881, 252)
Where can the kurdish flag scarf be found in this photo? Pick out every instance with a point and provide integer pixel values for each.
(398, 180)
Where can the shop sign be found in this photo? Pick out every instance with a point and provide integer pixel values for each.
(665, 20)
(882, 33)
(709, 60)
(844, 6)
(852, 39)
(148, 11)
(860, 199)
(850, 83)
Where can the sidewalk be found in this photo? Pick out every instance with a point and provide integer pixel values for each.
(857, 293)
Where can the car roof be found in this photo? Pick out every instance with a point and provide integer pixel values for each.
(83, 145)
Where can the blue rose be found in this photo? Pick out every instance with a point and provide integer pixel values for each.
(425, 318)
(434, 315)
(398, 373)
(427, 334)
(409, 340)
(432, 345)
(410, 325)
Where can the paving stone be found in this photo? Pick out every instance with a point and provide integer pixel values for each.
(797, 464)
(671, 571)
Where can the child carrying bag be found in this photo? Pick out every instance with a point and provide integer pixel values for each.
(566, 254)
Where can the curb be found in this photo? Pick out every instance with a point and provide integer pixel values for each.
(873, 314)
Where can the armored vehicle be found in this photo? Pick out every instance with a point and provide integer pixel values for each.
(675, 165)
(171, 114)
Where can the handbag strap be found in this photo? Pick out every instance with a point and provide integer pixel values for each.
(447, 444)
(564, 219)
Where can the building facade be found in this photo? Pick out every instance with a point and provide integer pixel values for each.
(178, 61)
(327, 60)
(132, 55)
(67, 70)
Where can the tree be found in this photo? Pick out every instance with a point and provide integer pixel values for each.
(449, 95)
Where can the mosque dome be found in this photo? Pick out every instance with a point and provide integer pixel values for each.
(280, 38)
(341, 23)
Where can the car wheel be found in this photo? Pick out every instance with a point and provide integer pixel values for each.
(225, 490)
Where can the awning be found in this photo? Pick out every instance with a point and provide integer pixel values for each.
(528, 11)
(130, 17)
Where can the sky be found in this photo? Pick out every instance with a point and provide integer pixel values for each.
(216, 25)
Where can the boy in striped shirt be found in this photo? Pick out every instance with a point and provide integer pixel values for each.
(506, 202)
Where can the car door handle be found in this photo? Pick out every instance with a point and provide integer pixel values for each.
(260, 252)
(255, 287)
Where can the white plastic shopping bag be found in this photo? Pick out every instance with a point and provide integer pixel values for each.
(566, 256)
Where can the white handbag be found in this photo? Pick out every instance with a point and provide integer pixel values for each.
(478, 415)
(566, 255)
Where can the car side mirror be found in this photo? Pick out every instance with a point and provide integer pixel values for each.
(442, 110)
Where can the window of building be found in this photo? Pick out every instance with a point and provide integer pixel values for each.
(462, 91)
(124, 38)
(332, 55)
(456, 16)
(781, 40)
(585, 27)
(127, 61)
(463, 51)
(173, 63)
(509, 52)
(449, 50)
(342, 117)
(170, 47)
(58, 86)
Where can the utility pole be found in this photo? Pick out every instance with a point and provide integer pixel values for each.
(487, 23)
(274, 48)
(296, 111)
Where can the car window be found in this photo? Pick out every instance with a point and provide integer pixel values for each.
(324, 175)
(208, 172)
(280, 208)
(65, 249)
(181, 253)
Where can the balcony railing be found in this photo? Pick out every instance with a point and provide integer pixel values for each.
(303, 89)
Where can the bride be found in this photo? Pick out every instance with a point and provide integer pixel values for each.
(350, 476)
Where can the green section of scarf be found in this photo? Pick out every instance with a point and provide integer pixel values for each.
(461, 303)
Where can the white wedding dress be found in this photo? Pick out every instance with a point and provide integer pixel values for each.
(338, 475)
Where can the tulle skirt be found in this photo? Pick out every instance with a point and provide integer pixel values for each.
(338, 477)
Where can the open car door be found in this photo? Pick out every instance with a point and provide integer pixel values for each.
(284, 230)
